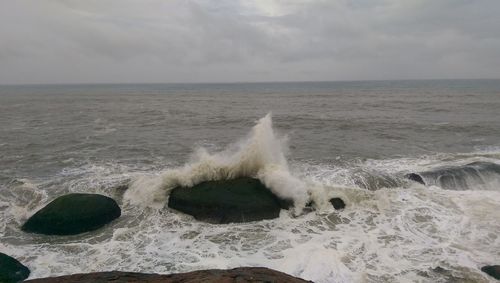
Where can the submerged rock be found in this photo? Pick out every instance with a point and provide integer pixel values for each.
(237, 275)
(12, 270)
(492, 270)
(73, 214)
(238, 200)
(337, 203)
(458, 177)
(415, 177)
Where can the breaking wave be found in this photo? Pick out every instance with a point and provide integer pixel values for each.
(262, 154)
(479, 175)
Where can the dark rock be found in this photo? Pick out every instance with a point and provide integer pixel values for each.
(337, 203)
(238, 200)
(415, 177)
(73, 214)
(492, 270)
(12, 270)
(476, 174)
(237, 275)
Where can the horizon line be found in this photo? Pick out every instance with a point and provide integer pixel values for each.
(242, 82)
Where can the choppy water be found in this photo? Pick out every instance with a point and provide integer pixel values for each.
(355, 140)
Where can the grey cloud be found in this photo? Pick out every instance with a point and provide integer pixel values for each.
(241, 40)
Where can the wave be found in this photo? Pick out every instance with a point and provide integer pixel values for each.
(262, 154)
(473, 176)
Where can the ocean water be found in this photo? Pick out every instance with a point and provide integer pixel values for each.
(305, 141)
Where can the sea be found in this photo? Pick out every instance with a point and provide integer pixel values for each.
(307, 141)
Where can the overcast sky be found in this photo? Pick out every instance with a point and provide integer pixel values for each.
(71, 41)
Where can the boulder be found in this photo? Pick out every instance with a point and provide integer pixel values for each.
(238, 200)
(12, 270)
(492, 270)
(237, 275)
(73, 214)
(337, 203)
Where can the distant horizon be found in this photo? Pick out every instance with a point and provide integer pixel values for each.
(244, 82)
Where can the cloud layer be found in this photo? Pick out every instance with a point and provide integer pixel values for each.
(73, 41)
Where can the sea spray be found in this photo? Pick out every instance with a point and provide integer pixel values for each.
(261, 155)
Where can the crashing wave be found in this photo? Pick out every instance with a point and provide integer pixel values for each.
(261, 155)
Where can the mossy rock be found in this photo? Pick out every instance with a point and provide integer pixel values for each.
(227, 201)
(73, 214)
(12, 270)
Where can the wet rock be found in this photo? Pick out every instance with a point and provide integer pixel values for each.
(337, 203)
(415, 177)
(12, 270)
(237, 275)
(238, 200)
(492, 270)
(73, 214)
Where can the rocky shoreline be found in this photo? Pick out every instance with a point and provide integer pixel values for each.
(225, 201)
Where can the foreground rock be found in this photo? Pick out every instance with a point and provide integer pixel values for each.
(239, 275)
(12, 270)
(458, 177)
(492, 270)
(238, 200)
(73, 214)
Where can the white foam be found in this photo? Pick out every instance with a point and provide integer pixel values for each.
(389, 235)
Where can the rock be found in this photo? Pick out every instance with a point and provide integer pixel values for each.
(492, 270)
(337, 203)
(239, 275)
(12, 270)
(238, 200)
(73, 214)
(415, 177)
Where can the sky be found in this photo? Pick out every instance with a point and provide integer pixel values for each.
(164, 41)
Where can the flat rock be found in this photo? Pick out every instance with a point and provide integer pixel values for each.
(237, 275)
(227, 201)
(73, 214)
(12, 270)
